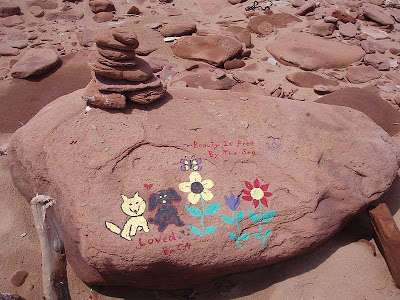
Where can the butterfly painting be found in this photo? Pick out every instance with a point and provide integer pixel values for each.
(191, 164)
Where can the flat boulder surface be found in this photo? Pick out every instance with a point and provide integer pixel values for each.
(214, 50)
(200, 184)
(371, 104)
(35, 62)
(312, 53)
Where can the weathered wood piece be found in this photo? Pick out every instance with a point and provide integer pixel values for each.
(388, 235)
(55, 284)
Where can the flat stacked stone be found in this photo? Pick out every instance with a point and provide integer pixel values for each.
(118, 74)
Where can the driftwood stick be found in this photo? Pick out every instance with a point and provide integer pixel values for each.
(55, 284)
(388, 235)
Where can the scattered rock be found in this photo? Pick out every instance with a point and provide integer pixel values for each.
(375, 13)
(234, 64)
(322, 28)
(102, 17)
(343, 16)
(379, 62)
(204, 78)
(19, 44)
(134, 10)
(265, 24)
(45, 4)
(145, 49)
(306, 8)
(379, 110)
(312, 53)
(239, 33)
(348, 29)
(395, 50)
(309, 79)
(361, 74)
(18, 278)
(67, 15)
(37, 11)
(86, 37)
(8, 9)
(7, 50)
(375, 33)
(12, 21)
(101, 6)
(372, 47)
(178, 29)
(35, 62)
(214, 50)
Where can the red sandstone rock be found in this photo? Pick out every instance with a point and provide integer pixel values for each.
(234, 64)
(147, 95)
(309, 79)
(134, 10)
(102, 17)
(125, 35)
(107, 39)
(343, 16)
(375, 13)
(348, 174)
(322, 28)
(101, 6)
(348, 29)
(8, 9)
(178, 29)
(115, 54)
(12, 21)
(67, 15)
(265, 24)
(312, 53)
(35, 62)
(102, 99)
(361, 74)
(380, 111)
(214, 50)
(239, 33)
(37, 11)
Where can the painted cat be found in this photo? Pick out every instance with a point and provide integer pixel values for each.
(133, 207)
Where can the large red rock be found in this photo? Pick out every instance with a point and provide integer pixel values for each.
(214, 50)
(87, 160)
(12, 21)
(311, 53)
(380, 111)
(35, 62)
(322, 28)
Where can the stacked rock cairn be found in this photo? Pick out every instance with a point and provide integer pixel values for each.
(117, 74)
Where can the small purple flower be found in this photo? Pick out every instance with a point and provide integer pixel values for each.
(232, 201)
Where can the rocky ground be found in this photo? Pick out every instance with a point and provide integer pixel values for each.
(298, 50)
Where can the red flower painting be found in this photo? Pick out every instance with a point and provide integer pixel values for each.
(256, 193)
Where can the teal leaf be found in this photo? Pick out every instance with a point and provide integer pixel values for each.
(210, 229)
(257, 235)
(268, 233)
(240, 215)
(253, 216)
(226, 219)
(232, 236)
(194, 211)
(267, 216)
(194, 229)
(245, 237)
(212, 208)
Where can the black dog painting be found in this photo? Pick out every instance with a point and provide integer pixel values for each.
(166, 211)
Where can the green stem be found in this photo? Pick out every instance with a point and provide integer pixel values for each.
(202, 216)
(238, 226)
(261, 230)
